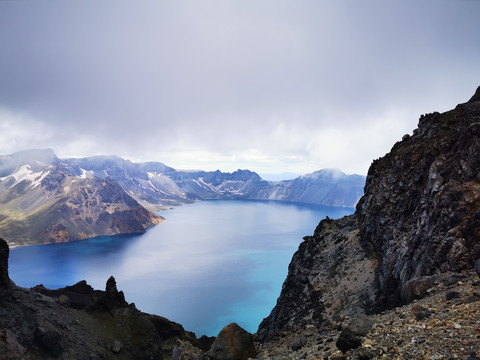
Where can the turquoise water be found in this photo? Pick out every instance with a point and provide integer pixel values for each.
(209, 264)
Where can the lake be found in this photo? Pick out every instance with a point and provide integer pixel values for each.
(210, 263)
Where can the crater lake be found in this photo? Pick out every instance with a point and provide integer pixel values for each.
(210, 263)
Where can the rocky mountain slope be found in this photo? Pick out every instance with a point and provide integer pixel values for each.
(419, 218)
(443, 325)
(42, 201)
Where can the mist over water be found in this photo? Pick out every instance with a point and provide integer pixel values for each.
(210, 263)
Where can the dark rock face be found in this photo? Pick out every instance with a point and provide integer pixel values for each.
(419, 218)
(330, 276)
(477, 267)
(50, 340)
(113, 297)
(421, 209)
(5, 283)
(232, 343)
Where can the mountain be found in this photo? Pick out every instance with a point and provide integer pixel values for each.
(418, 221)
(327, 187)
(42, 200)
(415, 235)
(154, 184)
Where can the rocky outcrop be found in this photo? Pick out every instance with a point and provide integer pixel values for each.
(330, 276)
(421, 210)
(429, 328)
(232, 343)
(78, 322)
(419, 217)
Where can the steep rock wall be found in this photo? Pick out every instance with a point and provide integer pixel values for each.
(421, 209)
(420, 216)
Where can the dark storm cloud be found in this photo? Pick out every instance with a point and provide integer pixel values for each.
(265, 81)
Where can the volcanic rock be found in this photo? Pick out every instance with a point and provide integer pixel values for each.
(232, 343)
(184, 350)
(351, 336)
(418, 219)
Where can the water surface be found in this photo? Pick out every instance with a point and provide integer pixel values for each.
(210, 263)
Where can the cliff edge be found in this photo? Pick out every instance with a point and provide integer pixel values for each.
(78, 322)
(418, 219)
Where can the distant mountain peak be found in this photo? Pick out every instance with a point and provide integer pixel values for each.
(333, 173)
(44, 156)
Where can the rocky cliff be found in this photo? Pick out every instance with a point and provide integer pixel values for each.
(419, 218)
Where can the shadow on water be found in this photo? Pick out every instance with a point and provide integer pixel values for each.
(208, 264)
(56, 265)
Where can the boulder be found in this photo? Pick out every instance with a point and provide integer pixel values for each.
(298, 343)
(232, 343)
(116, 347)
(352, 334)
(63, 300)
(420, 313)
(451, 295)
(417, 288)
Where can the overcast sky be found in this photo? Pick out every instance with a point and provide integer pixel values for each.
(273, 86)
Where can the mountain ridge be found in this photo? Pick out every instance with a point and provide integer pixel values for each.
(39, 200)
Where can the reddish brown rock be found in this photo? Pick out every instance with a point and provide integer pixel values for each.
(232, 343)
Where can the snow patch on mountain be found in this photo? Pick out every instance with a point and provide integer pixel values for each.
(25, 173)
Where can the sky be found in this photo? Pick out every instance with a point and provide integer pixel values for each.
(272, 86)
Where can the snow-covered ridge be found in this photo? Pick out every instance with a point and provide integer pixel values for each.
(25, 173)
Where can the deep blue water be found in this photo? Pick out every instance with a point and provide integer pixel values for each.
(210, 263)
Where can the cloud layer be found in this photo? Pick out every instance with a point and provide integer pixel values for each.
(269, 85)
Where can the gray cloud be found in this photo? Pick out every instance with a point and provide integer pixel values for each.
(272, 85)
